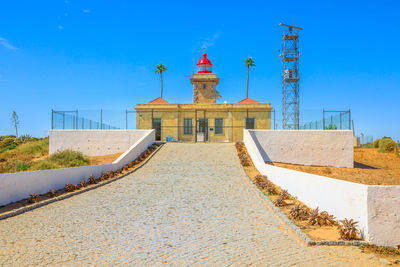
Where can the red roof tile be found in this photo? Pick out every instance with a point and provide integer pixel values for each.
(158, 100)
(248, 100)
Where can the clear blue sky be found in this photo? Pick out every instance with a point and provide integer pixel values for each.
(102, 54)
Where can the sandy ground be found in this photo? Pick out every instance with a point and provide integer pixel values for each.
(106, 159)
(370, 167)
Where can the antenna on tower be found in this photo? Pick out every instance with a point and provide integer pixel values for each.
(290, 77)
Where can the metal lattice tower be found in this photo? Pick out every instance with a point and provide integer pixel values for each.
(290, 77)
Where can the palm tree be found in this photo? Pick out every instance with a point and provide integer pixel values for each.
(217, 94)
(249, 62)
(159, 69)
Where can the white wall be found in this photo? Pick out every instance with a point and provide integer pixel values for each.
(384, 215)
(376, 208)
(17, 186)
(93, 142)
(307, 147)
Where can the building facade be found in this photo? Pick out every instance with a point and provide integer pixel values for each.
(204, 120)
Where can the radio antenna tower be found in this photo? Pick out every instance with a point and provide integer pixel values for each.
(290, 77)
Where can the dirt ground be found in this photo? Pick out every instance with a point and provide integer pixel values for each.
(106, 159)
(370, 167)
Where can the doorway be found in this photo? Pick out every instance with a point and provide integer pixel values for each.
(156, 124)
(202, 130)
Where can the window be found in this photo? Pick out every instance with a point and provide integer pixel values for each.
(218, 126)
(204, 86)
(187, 126)
(250, 123)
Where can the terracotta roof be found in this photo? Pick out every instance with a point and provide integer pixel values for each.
(248, 100)
(158, 100)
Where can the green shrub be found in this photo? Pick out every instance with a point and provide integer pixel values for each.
(331, 127)
(22, 166)
(376, 143)
(387, 145)
(7, 141)
(10, 147)
(70, 158)
(35, 148)
(45, 165)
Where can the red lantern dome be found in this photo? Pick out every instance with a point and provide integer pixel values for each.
(204, 65)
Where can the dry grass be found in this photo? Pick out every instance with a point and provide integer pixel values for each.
(371, 167)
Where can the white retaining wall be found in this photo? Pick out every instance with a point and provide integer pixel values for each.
(308, 147)
(17, 186)
(376, 208)
(93, 142)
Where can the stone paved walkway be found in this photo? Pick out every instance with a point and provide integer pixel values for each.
(190, 205)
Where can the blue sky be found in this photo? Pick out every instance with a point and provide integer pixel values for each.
(102, 54)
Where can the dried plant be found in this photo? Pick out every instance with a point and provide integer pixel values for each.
(111, 174)
(92, 179)
(52, 193)
(348, 229)
(271, 189)
(299, 212)
(83, 183)
(70, 187)
(279, 202)
(125, 168)
(321, 218)
(284, 194)
(33, 198)
(245, 162)
(327, 219)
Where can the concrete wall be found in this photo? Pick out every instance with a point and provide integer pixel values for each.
(384, 215)
(307, 147)
(94, 142)
(17, 186)
(376, 208)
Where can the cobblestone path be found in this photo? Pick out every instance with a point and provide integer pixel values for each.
(190, 205)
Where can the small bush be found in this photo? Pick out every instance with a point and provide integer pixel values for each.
(52, 193)
(70, 187)
(83, 183)
(10, 147)
(348, 229)
(7, 141)
(387, 145)
(92, 180)
(22, 166)
(70, 158)
(44, 165)
(376, 143)
(34, 198)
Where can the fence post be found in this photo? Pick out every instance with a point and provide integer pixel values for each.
(83, 123)
(323, 119)
(349, 120)
(52, 119)
(77, 121)
(101, 119)
(340, 115)
(274, 120)
(63, 120)
(126, 119)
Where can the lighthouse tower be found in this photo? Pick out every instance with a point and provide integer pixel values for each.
(204, 82)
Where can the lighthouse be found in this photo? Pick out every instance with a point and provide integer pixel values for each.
(204, 82)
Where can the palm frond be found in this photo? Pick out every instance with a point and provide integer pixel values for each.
(160, 68)
(249, 61)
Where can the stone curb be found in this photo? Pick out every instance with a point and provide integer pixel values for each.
(19, 211)
(308, 241)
